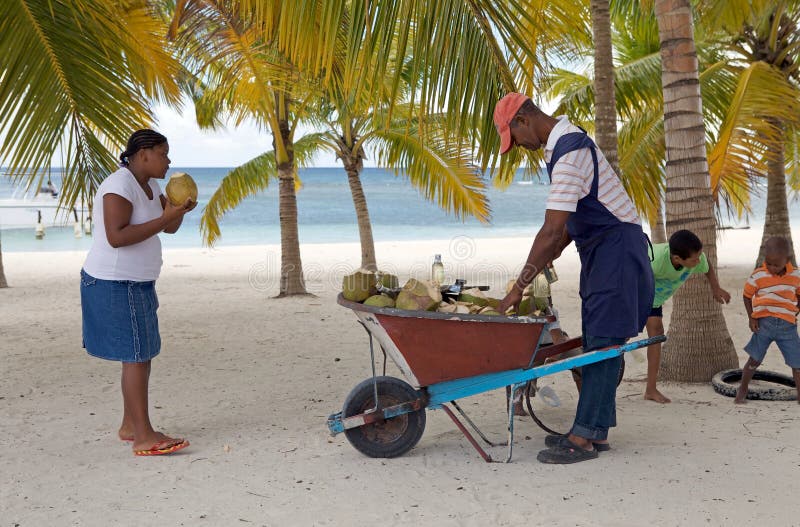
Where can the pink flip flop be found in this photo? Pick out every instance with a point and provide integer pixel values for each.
(167, 446)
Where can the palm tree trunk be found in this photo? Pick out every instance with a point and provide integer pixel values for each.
(3, 282)
(657, 228)
(776, 221)
(353, 169)
(605, 102)
(699, 344)
(291, 281)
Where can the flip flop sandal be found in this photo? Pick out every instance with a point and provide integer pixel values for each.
(555, 440)
(167, 446)
(566, 453)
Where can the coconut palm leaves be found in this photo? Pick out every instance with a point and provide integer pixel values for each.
(76, 78)
(738, 99)
(248, 180)
(464, 53)
(357, 114)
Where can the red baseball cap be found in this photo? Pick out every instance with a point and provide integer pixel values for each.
(504, 111)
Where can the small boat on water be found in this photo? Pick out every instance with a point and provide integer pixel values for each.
(26, 209)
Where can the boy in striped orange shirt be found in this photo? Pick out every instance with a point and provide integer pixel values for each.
(771, 300)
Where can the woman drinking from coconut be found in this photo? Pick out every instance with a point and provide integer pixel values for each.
(118, 296)
(587, 204)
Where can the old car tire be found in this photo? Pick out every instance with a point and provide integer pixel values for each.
(385, 438)
(782, 386)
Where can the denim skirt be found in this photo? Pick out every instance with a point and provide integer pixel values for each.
(119, 319)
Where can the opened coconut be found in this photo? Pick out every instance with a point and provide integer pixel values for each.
(388, 281)
(359, 286)
(419, 295)
(181, 187)
(444, 307)
(474, 296)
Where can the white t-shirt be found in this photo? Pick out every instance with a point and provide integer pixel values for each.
(573, 174)
(140, 262)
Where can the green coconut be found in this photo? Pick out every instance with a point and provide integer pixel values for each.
(387, 280)
(493, 302)
(489, 311)
(474, 296)
(419, 295)
(525, 307)
(541, 303)
(379, 301)
(181, 187)
(359, 286)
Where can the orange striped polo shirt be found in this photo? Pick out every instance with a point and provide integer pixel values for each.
(773, 295)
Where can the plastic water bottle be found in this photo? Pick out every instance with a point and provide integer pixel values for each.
(437, 270)
(549, 396)
(550, 273)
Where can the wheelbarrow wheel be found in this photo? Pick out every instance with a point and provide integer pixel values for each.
(390, 437)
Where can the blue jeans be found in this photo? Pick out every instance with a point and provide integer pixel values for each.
(597, 408)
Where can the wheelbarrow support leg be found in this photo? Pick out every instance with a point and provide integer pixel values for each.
(511, 393)
(474, 426)
(486, 457)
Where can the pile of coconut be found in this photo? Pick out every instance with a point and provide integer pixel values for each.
(381, 289)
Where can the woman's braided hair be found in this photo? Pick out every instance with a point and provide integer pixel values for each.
(140, 139)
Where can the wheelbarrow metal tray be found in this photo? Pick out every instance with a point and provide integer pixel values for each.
(431, 347)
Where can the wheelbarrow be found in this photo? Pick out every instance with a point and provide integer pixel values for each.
(446, 357)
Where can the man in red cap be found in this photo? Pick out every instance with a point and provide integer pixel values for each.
(586, 204)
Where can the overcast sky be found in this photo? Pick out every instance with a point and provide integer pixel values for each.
(191, 147)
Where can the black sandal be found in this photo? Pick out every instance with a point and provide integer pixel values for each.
(555, 440)
(566, 453)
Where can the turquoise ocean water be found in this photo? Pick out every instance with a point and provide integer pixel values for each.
(325, 213)
(325, 210)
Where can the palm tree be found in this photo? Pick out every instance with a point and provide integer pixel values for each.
(737, 100)
(3, 281)
(699, 344)
(438, 166)
(433, 160)
(76, 78)
(771, 37)
(605, 100)
(241, 73)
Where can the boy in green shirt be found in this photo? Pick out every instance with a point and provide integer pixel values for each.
(672, 264)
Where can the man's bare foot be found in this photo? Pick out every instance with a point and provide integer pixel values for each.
(655, 395)
(582, 442)
(519, 409)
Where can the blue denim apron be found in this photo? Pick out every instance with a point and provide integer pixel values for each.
(616, 284)
(616, 290)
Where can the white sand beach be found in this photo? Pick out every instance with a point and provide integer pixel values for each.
(250, 380)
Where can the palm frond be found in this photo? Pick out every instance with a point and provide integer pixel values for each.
(76, 81)
(441, 170)
(641, 159)
(762, 104)
(793, 162)
(248, 180)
